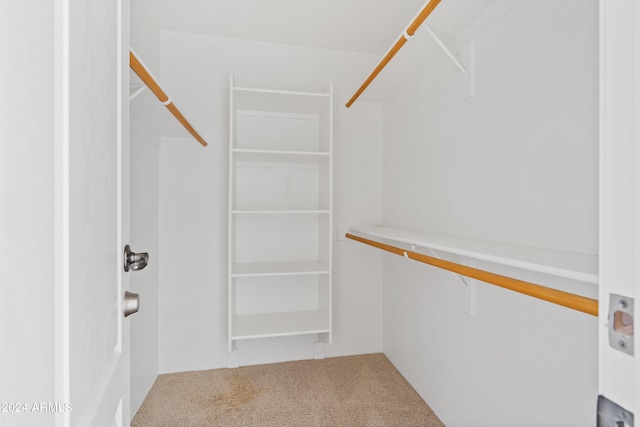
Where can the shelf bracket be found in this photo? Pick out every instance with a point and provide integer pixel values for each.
(446, 50)
(459, 277)
(468, 53)
(138, 90)
(468, 298)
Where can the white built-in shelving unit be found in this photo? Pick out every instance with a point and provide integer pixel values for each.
(280, 213)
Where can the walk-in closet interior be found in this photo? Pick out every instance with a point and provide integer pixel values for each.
(475, 148)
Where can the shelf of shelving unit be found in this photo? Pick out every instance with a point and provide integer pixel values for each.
(281, 92)
(261, 212)
(280, 324)
(290, 153)
(280, 213)
(279, 156)
(261, 269)
(568, 265)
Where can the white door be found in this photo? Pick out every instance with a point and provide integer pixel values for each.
(619, 379)
(94, 352)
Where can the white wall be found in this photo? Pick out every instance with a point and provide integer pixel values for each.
(27, 226)
(355, 25)
(193, 197)
(145, 109)
(517, 163)
(190, 301)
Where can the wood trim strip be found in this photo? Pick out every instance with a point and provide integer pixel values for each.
(565, 299)
(154, 87)
(411, 29)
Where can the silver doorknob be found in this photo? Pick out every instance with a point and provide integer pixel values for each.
(134, 261)
(131, 303)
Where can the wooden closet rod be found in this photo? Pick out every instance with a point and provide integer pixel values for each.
(566, 299)
(148, 80)
(410, 31)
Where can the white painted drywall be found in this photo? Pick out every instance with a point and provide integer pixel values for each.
(144, 190)
(193, 197)
(189, 232)
(517, 163)
(28, 205)
(355, 25)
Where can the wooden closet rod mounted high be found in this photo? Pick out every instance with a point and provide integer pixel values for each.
(565, 299)
(151, 83)
(409, 32)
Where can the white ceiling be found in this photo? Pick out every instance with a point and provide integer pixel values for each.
(370, 26)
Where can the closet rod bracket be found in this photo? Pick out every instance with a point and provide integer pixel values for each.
(459, 277)
(445, 49)
(468, 297)
(468, 53)
(138, 90)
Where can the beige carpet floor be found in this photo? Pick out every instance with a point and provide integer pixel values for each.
(344, 391)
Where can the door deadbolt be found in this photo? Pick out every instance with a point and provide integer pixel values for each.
(134, 261)
(131, 303)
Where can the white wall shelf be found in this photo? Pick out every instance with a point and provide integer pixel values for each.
(280, 213)
(568, 265)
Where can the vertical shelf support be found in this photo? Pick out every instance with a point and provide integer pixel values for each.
(233, 357)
